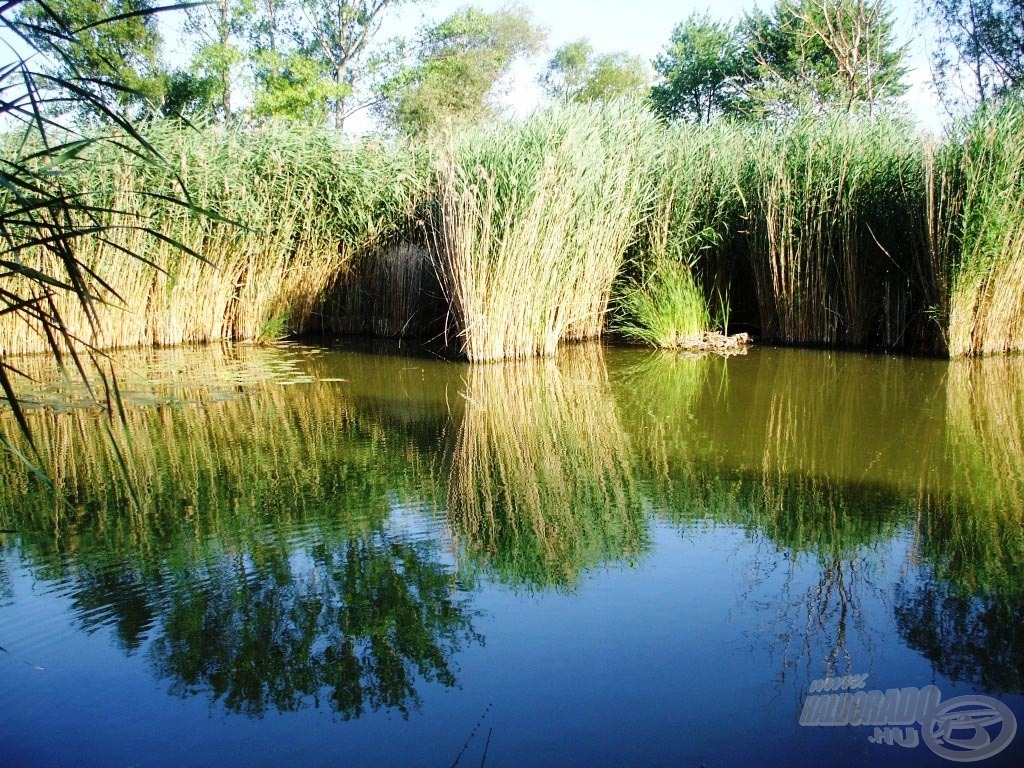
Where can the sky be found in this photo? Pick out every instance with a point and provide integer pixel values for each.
(643, 27)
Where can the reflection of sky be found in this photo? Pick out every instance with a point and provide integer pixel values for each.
(679, 659)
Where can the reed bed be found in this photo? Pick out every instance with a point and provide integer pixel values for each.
(986, 314)
(531, 225)
(675, 284)
(831, 237)
(292, 208)
(542, 480)
(388, 293)
(506, 241)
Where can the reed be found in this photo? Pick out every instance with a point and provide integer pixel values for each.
(293, 207)
(676, 282)
(531, 224)
(389, 293)
(830, 236)
(986, 281)
(667, 310)
(510, 240)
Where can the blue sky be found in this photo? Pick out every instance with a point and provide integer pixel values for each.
(643, 27)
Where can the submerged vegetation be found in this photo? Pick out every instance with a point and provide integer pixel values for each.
(507, 241)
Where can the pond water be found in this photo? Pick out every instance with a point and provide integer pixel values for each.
(336, 556)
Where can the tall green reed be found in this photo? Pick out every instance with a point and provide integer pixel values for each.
(531, 224)
(832, 243)
(676, 282)
(986, 275)
(294, 207)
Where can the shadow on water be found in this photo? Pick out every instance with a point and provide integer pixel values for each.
(273, 564)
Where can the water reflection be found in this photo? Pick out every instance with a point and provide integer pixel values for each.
(543, 484)
(965, 613)
(260, 566)
(367, 622)
(264, 568)
(842, 459)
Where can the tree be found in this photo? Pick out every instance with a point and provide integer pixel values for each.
(575, 74)
(815, 54)
(219, 27)
(703, 71)
(310, 55)
(109, 48)
(461, 60)
(983, 43)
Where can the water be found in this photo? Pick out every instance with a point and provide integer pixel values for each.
(343, 557)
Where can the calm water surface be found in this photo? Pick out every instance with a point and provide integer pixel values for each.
(340, 557)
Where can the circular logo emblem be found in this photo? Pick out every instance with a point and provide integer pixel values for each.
(969, 728)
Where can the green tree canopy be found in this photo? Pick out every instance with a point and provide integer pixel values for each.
(982, 53)
(311, 56)
(814, 54)
(219, 28)
(576, 74)
(703, 71)
(461, 60)
(114, 52)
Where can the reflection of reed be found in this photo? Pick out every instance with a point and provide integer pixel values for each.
(839, 417)
(985, 414)
(965, 619)
(846, 418)
(656, 396)
(216, 440)
(974, 534)
(752, 444)
(542, 481)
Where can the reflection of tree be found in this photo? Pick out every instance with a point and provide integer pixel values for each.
(972, 638)
(117, 594)
(814, 598)
(259, 566)
(371, 618)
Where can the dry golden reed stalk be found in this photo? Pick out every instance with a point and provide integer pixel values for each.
(531, 226)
